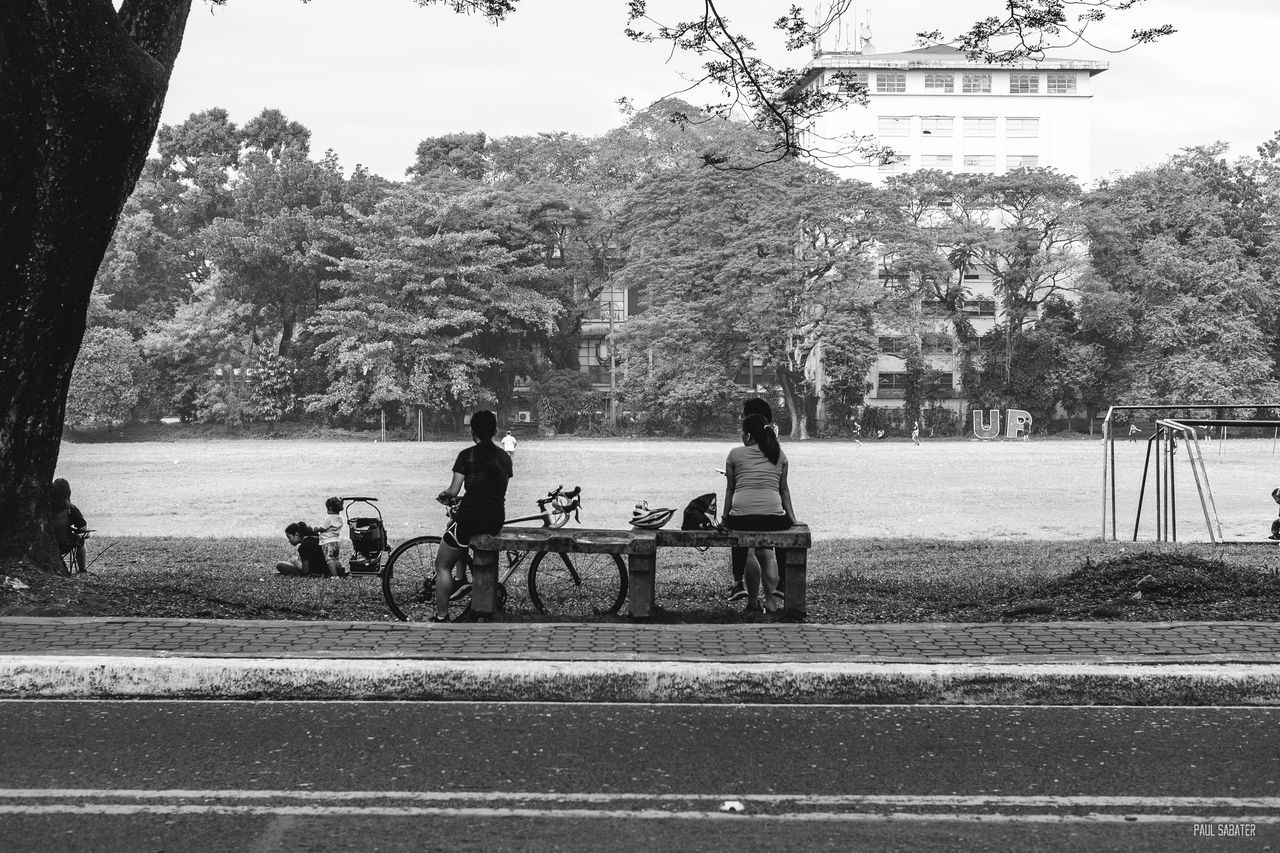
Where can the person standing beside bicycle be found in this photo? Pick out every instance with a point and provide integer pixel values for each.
(484, 469)
(66, 520)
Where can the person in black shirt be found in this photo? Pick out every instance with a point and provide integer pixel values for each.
(66, 519)
(484, 469)
(310, 558)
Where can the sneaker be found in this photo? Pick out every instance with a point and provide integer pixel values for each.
(437, 618)
(461, 591)
(779, 593)
(739, 592)
(754, 607)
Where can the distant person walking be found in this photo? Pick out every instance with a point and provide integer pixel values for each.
(857, 433)
(915, 433)
(509, 443)
(1134, 430)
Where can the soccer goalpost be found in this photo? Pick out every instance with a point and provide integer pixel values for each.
(1162, 447)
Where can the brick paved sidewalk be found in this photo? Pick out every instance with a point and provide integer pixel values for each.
(1093, 642)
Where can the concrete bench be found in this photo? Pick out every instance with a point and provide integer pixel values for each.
(640, 548)
(636, 546)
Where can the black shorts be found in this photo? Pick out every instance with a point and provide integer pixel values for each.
(757, 522)
(459, 533)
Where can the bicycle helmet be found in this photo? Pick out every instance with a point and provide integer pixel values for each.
(650, 519)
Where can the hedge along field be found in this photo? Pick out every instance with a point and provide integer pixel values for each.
(1048, 489)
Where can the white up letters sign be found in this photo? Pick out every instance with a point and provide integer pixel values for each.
(1019, 423)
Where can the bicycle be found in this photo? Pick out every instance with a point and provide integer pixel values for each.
(559, 584)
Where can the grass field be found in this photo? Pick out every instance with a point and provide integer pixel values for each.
(952, 531)
(943, 490)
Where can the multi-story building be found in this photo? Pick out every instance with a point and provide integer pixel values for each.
(937, 109)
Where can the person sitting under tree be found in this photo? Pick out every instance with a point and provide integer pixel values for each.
(1275, 525)
(65, 519)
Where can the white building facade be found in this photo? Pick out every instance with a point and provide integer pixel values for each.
(936, 109)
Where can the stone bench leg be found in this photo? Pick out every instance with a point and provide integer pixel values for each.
(640, 592)
(791, 566)
(484, 583)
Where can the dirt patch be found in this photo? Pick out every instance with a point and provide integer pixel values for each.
(1154, 586)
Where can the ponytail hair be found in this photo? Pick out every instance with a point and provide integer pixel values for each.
(755, 426)
(484, 426)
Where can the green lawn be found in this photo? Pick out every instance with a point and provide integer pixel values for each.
(951, 531)
(945, 489)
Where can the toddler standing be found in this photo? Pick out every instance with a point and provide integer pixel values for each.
(329, 531)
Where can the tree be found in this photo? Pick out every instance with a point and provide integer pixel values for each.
(441, 286)
(561, 397)
(1182, 297)
(768, 264)
(83, 87)
(106, 382)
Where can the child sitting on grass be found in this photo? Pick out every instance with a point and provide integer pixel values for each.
(329, 530)
(309, 560)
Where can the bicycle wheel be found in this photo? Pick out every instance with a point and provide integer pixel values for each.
(584, 585)
(409, 581)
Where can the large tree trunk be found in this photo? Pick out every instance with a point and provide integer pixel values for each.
(796, 404)
(81, 89)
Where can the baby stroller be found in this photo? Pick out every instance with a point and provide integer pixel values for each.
(368, 536)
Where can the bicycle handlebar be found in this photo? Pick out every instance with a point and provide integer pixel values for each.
(559, 493)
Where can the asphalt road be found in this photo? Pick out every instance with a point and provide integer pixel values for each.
(248, 776)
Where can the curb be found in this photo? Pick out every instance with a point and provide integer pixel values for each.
(116, 677)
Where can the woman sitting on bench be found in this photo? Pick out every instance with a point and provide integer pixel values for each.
(757, 498)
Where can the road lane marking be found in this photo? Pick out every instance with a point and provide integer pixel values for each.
(163, 796)
(177, 809)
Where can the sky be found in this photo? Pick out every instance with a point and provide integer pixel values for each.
(371, 78)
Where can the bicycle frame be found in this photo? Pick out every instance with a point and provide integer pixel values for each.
(562, 505)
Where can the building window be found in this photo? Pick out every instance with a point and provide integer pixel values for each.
(980, 307)
(1024, 84)
(1023, 161)
(592, 361)
(935, 161)
(1061, 84)
(940, 82)
(896, 164)
(936, 342)
(971, 274)
(893, 345)
(940, 387)
(891, 386)
(979, 126)
(891, 82)
(636, 301)
(936, 125)
(975, 84)
(894, 126)
(850, 82)
(980, 162)
(1022, 128)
